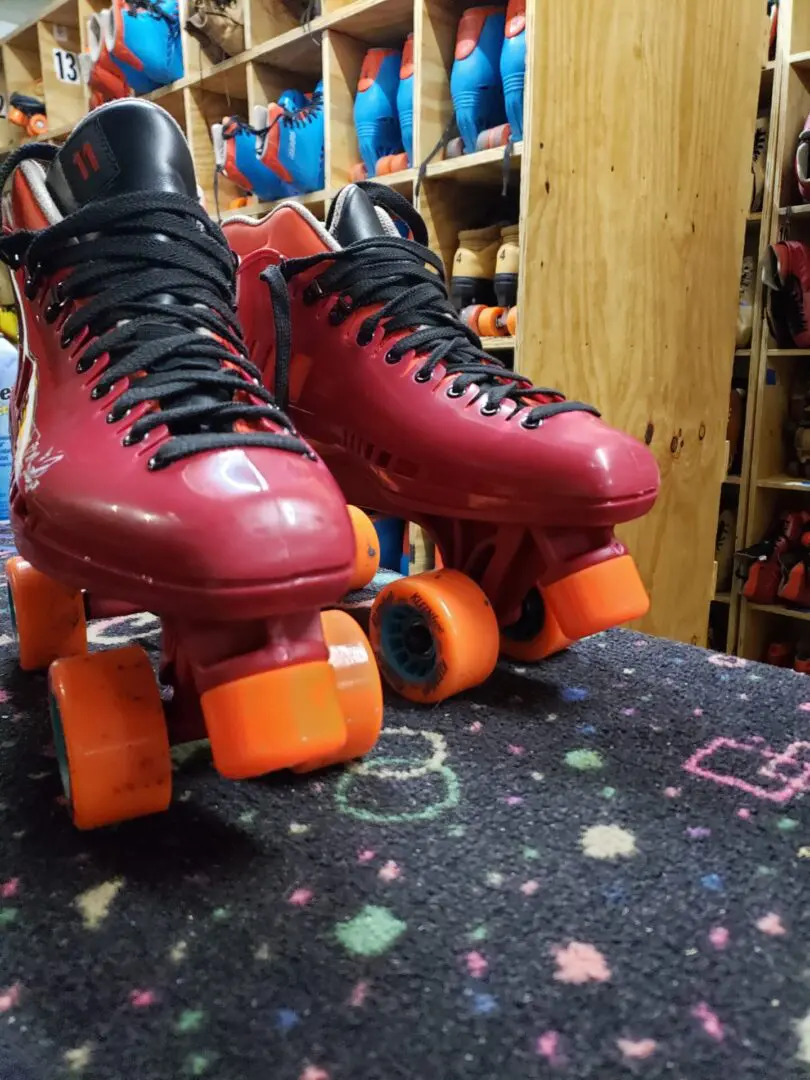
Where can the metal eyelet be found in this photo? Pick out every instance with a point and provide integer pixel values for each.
(364, 340)
(99, 391)
(56, 306)
(152, 464)
(340, 312)
(30, 286)
(312, 293)
(490, 410)
(390, 358)
(453, 391)
(422, 376)
(530, 425)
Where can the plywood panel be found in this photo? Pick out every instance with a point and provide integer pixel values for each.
(638, 147)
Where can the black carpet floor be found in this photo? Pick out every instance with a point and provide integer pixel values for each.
(596, 868)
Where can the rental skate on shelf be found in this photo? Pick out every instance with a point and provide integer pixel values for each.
(520, 489)
(152, 471)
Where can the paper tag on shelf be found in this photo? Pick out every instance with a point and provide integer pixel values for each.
(60, 33)
(66, 66)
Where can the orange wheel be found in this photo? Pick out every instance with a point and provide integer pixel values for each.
(384, 165)
(47, 618)
(367, 548)
(536, 634)
(37, 125)
(601, 596)
(511, 321)
(359, 688)
(488, 322)
(15, 116)
(274, 719)
(470, 316)
(434, 635)
(237, 204)
(110, 736)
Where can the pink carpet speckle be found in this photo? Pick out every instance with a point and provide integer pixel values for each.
(9, 888)
(628, 712)
(548, 1046)
(672, 792)
(771, 924)
(516, 750)
(709, 1021)
(389, 872)
(744, 813)
(477, 965)
(637, 1049)
(142, 999)
(579, 963)
(301, 897)
(718, 936)
(9, 997)
(365, 856)
(805, 706)
(314, 1072)
(513, 800)
(359, 994)
(475, 727)
(529, 888)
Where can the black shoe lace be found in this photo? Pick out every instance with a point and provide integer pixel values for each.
(156, 278)
(392, 272)
(306, 114)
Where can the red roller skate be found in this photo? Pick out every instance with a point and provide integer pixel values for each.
(786, 274)
(519, 488)
(28, 112)
(763, 566)
(152, 471)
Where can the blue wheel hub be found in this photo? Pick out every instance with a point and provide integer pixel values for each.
(408, 644)
(59, 744)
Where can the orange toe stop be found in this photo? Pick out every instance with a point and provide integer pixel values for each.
(274, 719)
(606, 594)
(359, 688)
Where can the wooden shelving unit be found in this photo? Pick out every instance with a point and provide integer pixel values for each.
(632, 184)
(736, 488)
(770, 488)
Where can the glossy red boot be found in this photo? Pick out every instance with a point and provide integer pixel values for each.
(153, 471)
(519, 488)
(787, 276)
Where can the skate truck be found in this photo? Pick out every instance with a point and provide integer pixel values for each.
(520, 489)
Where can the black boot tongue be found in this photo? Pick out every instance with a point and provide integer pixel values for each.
(119, 149)
(354, 217)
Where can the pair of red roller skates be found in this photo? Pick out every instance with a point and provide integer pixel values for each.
(156, 468)
(778, 567)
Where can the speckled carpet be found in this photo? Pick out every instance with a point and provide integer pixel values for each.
(597, 868)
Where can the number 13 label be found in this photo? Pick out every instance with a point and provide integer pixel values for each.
(66, 66)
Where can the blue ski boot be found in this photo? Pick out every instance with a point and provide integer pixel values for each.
(475, 81)
(375, 107)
